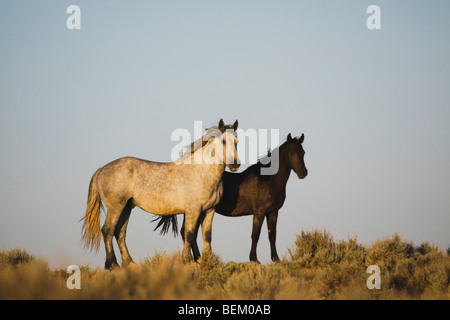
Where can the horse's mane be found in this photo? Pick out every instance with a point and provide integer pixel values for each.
(213, 131)
(256, 168)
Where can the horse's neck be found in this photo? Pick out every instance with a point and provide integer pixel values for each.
(200, 156)
(208, 167)
(284, 168)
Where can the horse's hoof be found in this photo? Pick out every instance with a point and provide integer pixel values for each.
(111, 266)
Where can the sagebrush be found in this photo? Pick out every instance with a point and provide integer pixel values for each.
(317, 267)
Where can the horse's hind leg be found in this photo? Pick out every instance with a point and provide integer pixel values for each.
(120, 234)
(195, 249)
(112, 217)
(258, 218)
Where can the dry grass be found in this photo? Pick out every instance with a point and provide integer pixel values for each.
(318, 267)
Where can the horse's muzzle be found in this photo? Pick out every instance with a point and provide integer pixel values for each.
(234, 167)
(303, 174)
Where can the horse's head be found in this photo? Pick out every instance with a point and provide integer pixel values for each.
(225, 145)
(296, 155)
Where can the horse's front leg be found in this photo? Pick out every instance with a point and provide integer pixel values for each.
(207, 230)
(190, 221)
(195, 249)
(272, 230)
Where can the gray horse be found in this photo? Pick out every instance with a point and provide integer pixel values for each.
(190, 185)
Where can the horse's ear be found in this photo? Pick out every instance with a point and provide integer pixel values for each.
(302, 138)
(235, 125)
(289, 138)
(221, 124)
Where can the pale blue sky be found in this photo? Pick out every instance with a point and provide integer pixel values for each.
(373, 105)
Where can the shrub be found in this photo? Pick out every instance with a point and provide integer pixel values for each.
(318, 267)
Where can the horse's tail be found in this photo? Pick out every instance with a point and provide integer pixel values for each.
(92, 234)
(166, 222)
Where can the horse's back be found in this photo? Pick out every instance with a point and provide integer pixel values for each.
(125, 168)
(118, 179)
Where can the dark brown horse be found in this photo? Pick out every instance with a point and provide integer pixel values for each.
(251, 193)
